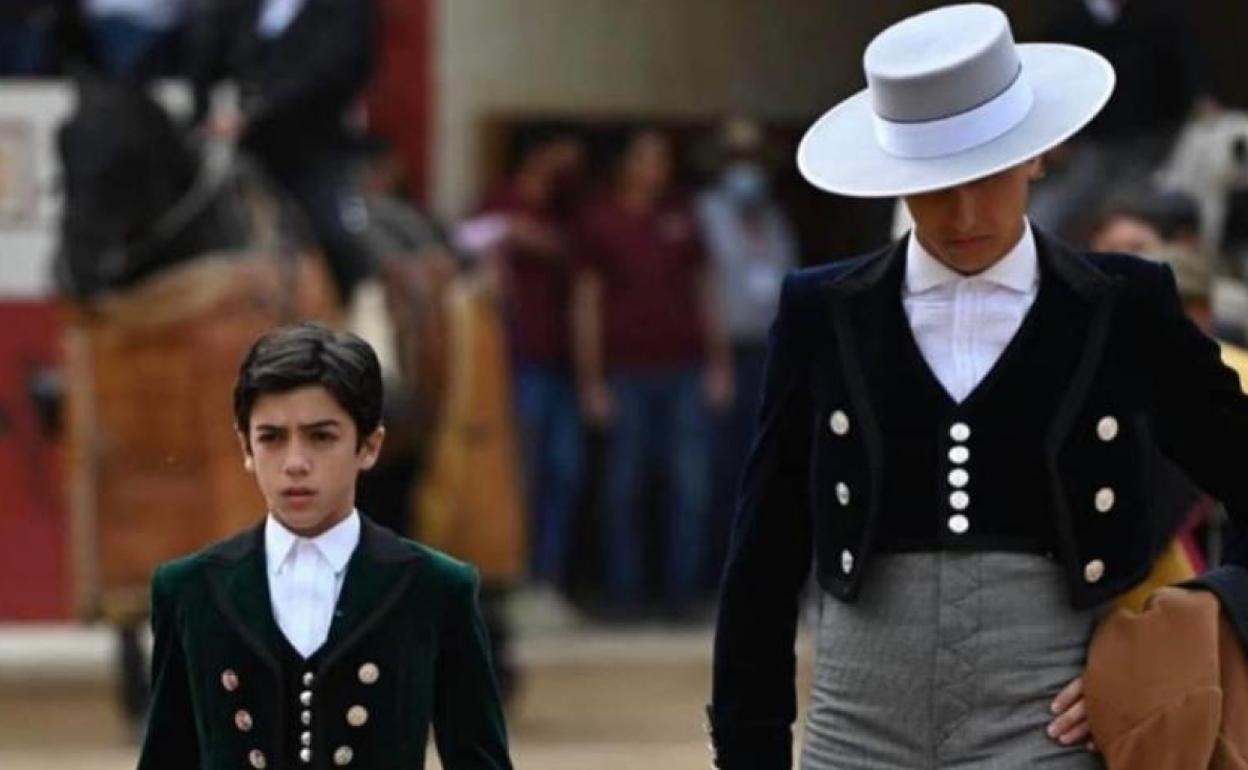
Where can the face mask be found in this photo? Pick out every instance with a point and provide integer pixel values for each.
(745, 183)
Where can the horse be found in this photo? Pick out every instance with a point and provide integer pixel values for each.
(138, 197)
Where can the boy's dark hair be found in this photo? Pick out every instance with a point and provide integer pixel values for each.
(293, 356)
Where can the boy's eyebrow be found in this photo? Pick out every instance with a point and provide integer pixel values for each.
(330, 423)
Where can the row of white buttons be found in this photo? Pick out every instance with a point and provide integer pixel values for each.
(838, 423)
(959, 499)
(1106, 430)
(305, 738)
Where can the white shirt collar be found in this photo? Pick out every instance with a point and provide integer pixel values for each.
(1018, 270)
(336, 543)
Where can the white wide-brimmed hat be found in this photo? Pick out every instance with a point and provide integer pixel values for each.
(950, 98)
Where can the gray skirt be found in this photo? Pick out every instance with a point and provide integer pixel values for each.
(948, 661)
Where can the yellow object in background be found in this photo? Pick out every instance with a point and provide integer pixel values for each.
(1237, 359)
(1174, 566)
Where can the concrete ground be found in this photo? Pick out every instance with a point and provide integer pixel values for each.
(609, 699)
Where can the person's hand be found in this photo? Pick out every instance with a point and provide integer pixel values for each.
(597, 403)
(718, 386)
(1070, 726)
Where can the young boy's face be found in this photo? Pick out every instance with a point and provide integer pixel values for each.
(304, 457)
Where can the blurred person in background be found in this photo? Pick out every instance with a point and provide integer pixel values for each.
(535, 252)
(137, 39)
(300, 67)
(1155, 52)
(651, 355)
(1165, 227)
(751, 246)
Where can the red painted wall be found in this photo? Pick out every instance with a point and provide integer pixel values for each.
(399, 102)
(34, 532)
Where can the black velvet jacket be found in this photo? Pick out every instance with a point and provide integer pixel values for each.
(1113, 342)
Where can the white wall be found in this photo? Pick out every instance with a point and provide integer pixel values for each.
(33, 109)
(701, 58)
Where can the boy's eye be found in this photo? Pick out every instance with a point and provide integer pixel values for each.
(266, 438)
(322, 436)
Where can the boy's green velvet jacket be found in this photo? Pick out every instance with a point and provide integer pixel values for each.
(407, 651)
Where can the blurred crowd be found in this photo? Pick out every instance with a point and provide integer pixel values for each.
(634, 298)
(639, 310)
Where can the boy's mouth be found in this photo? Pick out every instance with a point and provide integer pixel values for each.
(298, 493)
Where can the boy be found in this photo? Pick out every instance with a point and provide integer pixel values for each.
(317, 639)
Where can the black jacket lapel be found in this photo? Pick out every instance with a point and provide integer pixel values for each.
(860, 302)
(1098, 293)
(380, 570)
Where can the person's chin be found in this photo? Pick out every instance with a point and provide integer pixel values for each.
(303, 519)
(971, 253)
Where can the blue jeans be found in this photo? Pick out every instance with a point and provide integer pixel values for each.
(24, 48)
(551, 437)
(661, 420)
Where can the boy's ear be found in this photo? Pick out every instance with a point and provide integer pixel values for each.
(248, 462)
(371, 448)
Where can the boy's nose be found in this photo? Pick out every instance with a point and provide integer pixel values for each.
(296, 464)
(964, 209)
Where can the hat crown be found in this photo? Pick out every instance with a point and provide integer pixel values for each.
(941, 63)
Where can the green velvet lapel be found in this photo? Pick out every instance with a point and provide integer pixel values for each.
(379, 570)
(240, 586)
(378, 573)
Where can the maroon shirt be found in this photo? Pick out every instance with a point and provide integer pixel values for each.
(649, 263)
(539, 289)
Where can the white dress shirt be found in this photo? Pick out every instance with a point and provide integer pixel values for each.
(276, 16)
(305, 578)
(962, 324)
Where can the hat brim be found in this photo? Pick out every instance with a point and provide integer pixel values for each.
(841, 155)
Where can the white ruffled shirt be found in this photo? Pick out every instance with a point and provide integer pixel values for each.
(962, 324)
(306, 577)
